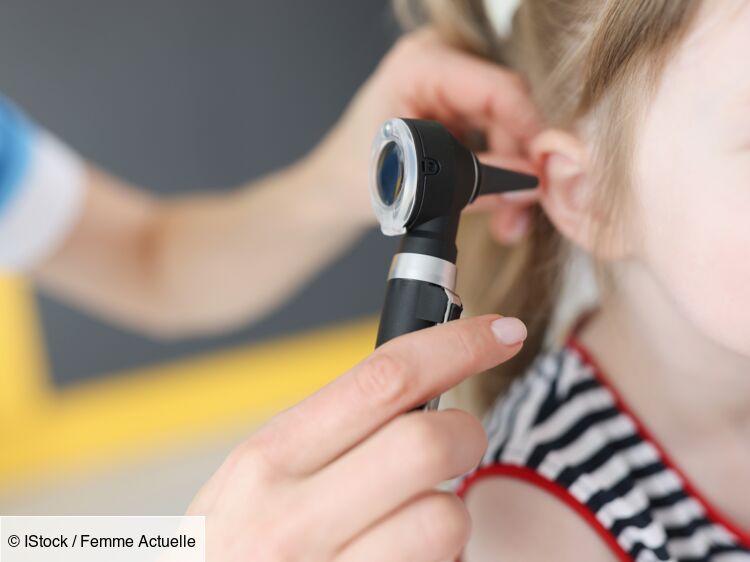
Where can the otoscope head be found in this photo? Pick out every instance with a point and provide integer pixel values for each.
(419, 172)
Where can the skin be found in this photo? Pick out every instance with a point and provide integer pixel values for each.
(672, 336)
(202, 264)
(358, 484)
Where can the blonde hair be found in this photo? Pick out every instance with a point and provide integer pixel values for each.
(583, 59)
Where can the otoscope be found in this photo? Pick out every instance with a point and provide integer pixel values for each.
(421, 178)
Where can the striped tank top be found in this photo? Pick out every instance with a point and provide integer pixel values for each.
(565, 429)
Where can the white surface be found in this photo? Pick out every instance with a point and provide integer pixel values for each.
(41, 214)
(92, 539)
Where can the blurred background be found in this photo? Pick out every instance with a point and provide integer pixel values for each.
(175, 95)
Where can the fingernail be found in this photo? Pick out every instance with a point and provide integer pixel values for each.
(509, 331)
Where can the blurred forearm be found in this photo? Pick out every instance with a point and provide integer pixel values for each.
(203, 263)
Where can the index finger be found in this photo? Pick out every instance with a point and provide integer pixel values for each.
(401, 374)
(454, 86)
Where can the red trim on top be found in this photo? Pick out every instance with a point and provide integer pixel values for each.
(712, 512)
(563, 494)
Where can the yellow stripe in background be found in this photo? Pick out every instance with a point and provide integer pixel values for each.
(22, 369)
(51, 434)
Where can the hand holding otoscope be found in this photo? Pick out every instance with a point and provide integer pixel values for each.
(421, 178)
(304, 470)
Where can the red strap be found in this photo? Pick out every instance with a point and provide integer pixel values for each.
(529, 475)
(712, 512)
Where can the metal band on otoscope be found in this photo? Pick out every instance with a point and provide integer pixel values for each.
(420, 267)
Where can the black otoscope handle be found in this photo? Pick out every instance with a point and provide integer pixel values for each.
(421, 179)
(412, 305)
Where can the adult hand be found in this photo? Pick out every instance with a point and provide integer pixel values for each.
(344, 477)
(424, 77)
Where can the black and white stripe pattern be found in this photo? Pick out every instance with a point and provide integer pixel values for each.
(565, 424)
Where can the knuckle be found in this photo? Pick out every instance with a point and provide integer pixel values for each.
(470, 426)
(401, 43)
(427, 36)
(426, 444)
(401, 50)
(468, 346)
(251, 461)
(516, 81)
(481, 435)
(472, 431)
(384, 379)
(235, 458)
(408, 42)
(414, 44)
(446, 524)
(512, 81)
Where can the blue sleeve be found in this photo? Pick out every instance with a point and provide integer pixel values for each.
(16, 135)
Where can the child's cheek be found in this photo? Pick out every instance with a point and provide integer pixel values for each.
(697, 243)
(715, 286)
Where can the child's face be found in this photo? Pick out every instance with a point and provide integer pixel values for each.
(692, 178)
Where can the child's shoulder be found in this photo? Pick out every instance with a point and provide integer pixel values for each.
(515, 520)
(558, 398)
(563, 434)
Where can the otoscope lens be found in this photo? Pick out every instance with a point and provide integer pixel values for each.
(390, 172)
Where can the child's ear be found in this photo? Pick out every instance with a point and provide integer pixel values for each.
(567, 190)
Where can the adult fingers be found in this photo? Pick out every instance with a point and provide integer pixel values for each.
(434, 526)
(403, 373)
(409, 456)
(447, 83)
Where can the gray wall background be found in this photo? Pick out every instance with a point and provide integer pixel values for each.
(177, 95)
